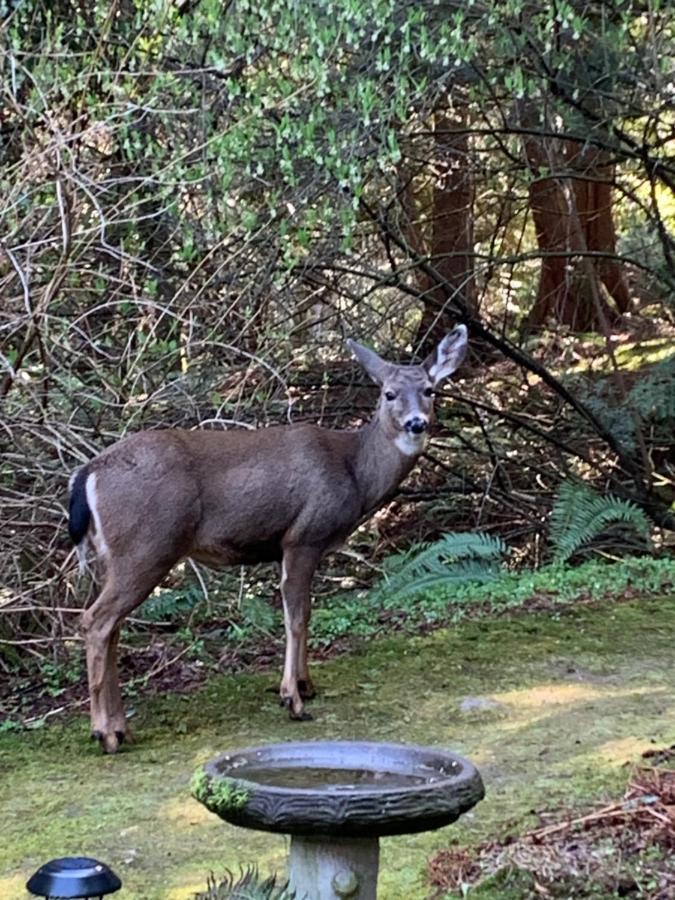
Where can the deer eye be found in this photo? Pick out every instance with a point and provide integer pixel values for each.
(429, 392)
(390, 395)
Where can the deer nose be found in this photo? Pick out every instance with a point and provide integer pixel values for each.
(416, 425)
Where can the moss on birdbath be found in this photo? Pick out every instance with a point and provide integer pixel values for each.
(220, 795)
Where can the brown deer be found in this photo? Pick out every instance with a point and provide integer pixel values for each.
(287, 493)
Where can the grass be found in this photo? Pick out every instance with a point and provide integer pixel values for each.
(566, 699)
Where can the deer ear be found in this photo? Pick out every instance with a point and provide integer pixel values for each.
(374, 365)
(448, 355)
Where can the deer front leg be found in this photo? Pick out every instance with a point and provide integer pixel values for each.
(296, 576)
(305, 683)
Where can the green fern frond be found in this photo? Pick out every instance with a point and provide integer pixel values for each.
(455, 558)
(169, 604)
(579, 515)
(249, 886)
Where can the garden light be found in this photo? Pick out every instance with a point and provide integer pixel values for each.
(73, 877)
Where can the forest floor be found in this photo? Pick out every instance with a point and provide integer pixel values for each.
(551, 706)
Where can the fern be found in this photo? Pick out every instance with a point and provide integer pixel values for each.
(249, 887)
(168, 604)
(579, 515)
(453, 559)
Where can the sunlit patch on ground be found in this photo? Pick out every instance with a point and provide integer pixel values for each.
(543, 696)
(13, 886)
(624, 750)
(185, 811)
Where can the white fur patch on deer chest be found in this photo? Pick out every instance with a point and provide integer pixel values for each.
(411, 444)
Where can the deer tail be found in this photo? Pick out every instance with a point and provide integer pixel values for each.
(79, 514)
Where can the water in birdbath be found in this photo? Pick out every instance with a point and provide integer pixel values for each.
(325, 778)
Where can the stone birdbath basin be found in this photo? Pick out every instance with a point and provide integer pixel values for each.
(337, 799)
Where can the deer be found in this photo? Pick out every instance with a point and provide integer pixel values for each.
(284, 493)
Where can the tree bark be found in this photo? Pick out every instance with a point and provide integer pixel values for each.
(440, 227)
(572, 212)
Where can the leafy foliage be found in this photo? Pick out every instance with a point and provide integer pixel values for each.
(453, 559)
(651, 399)
(249, 886)
(579, 515)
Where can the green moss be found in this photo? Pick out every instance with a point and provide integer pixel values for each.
(220, 796)
(574, 694)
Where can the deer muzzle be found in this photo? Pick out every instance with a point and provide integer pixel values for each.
(416, 425)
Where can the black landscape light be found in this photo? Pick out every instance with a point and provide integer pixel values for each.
(73, 877)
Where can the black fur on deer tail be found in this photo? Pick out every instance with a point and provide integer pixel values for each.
(79, 514)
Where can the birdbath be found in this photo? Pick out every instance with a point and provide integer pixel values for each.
(337, 799)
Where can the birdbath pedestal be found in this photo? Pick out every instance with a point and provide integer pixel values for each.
(337, 799)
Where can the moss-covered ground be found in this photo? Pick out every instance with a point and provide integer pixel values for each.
(549, 706)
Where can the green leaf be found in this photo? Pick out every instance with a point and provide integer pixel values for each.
(454, 559)
(579, 515)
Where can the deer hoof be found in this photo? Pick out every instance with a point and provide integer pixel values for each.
(301, 716)
(306, 690)
(110, 743)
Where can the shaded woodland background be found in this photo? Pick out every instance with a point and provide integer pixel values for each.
(200, 200)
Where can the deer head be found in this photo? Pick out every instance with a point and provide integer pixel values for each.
(406, 405)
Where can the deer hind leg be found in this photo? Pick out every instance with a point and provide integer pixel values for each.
(298, 568)
(101, 626)
(113, 700)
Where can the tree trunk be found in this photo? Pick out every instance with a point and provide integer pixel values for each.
(440, 227)
(573, 214)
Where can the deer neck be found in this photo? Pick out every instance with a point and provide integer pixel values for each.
(383, 461)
